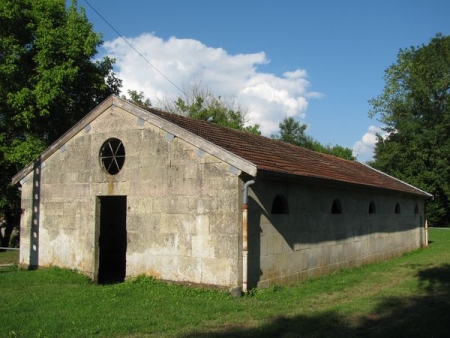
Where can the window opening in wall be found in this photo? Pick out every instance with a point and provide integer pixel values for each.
(372, 208)
(280, 205)
(112, 156)
(416, 209)
(397, 208)
(336, 208)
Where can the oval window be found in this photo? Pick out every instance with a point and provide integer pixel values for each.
(112, 156)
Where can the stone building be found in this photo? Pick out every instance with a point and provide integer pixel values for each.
(129, 191)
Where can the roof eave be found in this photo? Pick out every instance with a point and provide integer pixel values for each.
(419, 191)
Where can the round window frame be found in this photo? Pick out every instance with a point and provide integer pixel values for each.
(112, 156)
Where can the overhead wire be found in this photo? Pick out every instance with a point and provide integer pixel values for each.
(132, 47)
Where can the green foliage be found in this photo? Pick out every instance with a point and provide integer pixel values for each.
(138, 99)
(340, 151)
(203, 105)
(48, 81)
(293, 132)
(404, 297)
(415, 108)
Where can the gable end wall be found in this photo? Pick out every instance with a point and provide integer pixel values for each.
(183, 210)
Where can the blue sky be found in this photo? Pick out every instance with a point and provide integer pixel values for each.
(319, 61)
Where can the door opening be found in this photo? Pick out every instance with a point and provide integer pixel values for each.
(112, 241)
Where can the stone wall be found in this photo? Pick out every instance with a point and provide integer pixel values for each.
(311, 240)
(183, 211)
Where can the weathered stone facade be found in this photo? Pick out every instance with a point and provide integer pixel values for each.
(174, 208)
(182, 205)
(310, 240)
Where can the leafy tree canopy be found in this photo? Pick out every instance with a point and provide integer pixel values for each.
(138, 99)
(48, 81)
(415, 108)
(293, 132)
(200, 103)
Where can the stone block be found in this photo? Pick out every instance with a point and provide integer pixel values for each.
(274, 244)
(226, 246)
(203, 246)
(218, 271)
(202, 225)
(54, 208)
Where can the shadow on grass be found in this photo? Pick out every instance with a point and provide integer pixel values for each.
(427, 315)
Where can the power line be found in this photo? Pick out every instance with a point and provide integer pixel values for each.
(129, 44)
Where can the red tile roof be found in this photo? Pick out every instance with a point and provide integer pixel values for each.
(266, 154)
(276, 156)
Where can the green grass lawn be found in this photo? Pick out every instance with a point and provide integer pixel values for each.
(404, 297)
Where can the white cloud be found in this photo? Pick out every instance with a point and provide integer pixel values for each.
(268, 98)
(363, 149)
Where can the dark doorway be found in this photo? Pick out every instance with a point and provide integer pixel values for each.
(112, 241)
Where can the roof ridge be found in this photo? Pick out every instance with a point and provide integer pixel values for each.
(246, 133)
(276, 155)
(244, 150)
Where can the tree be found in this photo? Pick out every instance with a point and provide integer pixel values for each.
(293, 132)
(340, 151)
(200, 103)
(138, 99)
(415, 109)
(48, 81)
